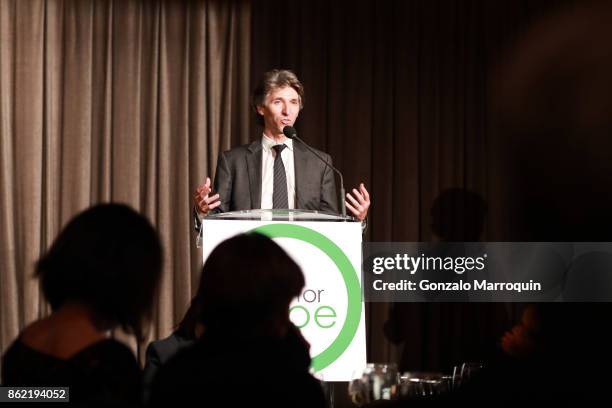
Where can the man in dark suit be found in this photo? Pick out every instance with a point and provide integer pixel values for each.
(273, 171)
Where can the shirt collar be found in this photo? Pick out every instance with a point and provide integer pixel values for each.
(267, 143)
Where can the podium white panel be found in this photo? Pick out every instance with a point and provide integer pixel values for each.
(330, 310)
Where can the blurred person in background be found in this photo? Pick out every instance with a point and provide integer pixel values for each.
(160, 351)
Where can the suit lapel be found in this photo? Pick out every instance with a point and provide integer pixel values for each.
(253, 160)
(299, 161)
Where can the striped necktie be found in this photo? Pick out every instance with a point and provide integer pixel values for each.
(279, 189)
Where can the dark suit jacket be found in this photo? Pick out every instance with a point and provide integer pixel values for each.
(158, 353)
(238, 179)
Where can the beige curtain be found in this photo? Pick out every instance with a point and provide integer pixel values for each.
(124, 101)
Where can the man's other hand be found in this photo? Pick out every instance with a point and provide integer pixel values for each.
(359, 202)
(203, 202)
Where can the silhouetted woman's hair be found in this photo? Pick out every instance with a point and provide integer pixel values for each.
(248, 280)
(108, 258)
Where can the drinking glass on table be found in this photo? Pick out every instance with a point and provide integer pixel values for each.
(375, 382)
(464, 372)
(415, 384)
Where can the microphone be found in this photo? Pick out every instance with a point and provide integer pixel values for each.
(291, 133)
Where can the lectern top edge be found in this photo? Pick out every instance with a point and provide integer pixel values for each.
(281, 215)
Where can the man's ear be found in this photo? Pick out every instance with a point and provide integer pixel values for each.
(259, 109)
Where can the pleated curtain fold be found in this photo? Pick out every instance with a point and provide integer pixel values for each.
(123, 101)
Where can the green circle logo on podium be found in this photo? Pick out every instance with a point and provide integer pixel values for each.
(351, 283)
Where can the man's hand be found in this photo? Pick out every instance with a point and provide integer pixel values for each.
(359, 202)
(204, 204)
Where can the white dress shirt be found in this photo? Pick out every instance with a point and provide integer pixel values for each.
(267, 171)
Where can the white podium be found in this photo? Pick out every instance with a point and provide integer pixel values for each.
(330, 310)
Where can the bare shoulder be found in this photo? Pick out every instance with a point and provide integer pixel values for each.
(55, 336)
(36, 334)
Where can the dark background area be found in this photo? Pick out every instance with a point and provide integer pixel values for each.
(398, 92)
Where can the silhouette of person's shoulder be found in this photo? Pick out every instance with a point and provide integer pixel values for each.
(105, 371)
(236, 371)
(165, 348)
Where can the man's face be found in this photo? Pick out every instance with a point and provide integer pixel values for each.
(281, 108)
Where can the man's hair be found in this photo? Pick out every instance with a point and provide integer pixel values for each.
(246, 282)
(274, 79)
(108, 258)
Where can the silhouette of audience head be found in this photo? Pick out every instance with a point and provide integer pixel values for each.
(247, 284)
(107, 258)
(458, 215)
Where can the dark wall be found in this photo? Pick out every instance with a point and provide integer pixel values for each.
(396, 92)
